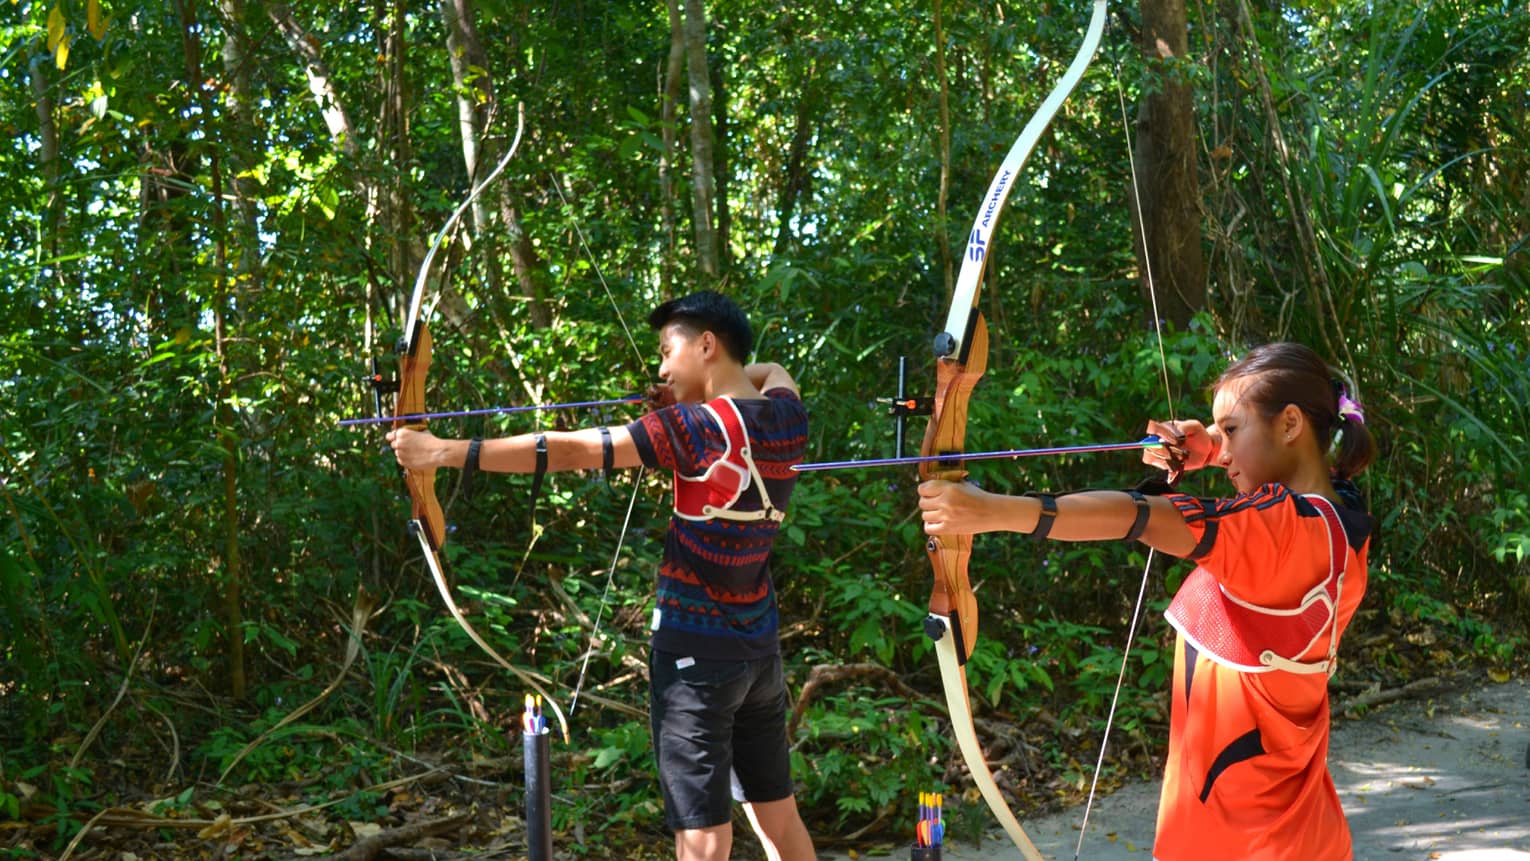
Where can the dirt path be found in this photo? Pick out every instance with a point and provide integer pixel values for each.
(1444, 780)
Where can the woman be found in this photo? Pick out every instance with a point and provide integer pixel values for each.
(1280, 570)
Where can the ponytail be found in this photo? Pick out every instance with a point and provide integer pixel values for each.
(1353, 446)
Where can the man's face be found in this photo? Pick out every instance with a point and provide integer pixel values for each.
(683, 355)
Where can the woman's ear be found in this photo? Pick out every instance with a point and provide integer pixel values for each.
(1291, 421)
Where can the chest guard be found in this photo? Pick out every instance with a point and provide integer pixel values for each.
(1254, 639)
(714, 493)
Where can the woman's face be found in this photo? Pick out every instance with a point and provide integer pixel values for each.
(1255, 450)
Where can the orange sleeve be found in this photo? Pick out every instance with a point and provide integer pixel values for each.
(1243, 539)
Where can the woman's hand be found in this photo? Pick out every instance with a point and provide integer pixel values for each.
(959, 508)
(1188, 445)
(415, 449)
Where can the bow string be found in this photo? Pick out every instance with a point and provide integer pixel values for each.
(637, 483)
(1163, 366)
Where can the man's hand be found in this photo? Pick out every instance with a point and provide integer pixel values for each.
(1187, 445)
(769, 375)
(660, 395)
(415, 449)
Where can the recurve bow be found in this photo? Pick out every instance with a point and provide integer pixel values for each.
(427, 522)
(961, 352)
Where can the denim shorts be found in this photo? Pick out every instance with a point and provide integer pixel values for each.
(719, 735)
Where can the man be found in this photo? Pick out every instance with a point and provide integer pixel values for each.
(730, 434)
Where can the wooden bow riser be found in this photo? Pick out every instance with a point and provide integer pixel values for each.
(414, 364)
(946, 433)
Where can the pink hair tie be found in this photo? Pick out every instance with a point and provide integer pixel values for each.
(1348, 409)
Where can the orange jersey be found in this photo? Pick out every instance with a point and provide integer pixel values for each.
(1247, 775)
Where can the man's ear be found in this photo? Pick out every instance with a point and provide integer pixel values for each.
(708, 344)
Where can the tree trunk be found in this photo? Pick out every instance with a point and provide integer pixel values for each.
(238, 59)
(942, 217)
(795, 184)
(246, 283)
(721, 166)
(702, 168)
(481, 153)
(225, 423)
(1173, 269)
(394, 200)
(47, 155)
(320, 79)
(394, 204)
(796, 178)
(674, 69)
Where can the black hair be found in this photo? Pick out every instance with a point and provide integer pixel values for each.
(1290, 373)
(709, 312)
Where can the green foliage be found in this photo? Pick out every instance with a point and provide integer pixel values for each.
(1511, 522)
(64, 793)
(181, 803)
(860, 755)
(10, 805)
(1364, 176)
(616, 767)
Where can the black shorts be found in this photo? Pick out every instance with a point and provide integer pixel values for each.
(719, 735)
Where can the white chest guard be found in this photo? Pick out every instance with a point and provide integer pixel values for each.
(1254, 639)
